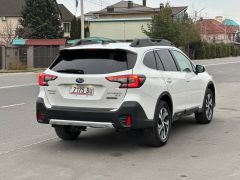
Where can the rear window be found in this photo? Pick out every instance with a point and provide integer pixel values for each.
(92, 61)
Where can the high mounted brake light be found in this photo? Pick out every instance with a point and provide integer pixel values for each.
(43, 79)
(128, 81)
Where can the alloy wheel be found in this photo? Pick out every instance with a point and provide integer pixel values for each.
(209, 107)
(163, 124)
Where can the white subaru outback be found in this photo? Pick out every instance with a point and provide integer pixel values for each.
(142, 85)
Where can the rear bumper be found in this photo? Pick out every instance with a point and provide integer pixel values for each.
(94, 117)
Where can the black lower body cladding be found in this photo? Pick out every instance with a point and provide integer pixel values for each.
(133, 109)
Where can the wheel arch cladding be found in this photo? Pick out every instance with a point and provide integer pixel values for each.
(212, 88)
(165, 96)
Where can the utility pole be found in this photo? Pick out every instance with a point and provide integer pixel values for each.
(82, 20)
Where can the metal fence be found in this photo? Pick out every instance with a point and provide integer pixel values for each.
(44, 55)
(12, 57)
(15, 57)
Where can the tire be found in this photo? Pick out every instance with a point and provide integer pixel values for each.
(206, 116)
(67, 133)
(160, 132)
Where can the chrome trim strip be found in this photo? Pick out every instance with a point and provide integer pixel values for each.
(81, 123)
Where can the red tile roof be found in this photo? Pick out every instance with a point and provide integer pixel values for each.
(46, 42)
(212, 26)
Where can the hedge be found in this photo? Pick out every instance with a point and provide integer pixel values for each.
(204, 50)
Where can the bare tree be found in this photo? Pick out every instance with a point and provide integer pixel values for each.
(7, 33)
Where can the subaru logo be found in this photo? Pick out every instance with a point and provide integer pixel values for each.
(80, 80)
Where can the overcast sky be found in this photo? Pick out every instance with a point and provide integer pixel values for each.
(227, 8)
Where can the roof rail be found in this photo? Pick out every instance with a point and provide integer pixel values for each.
(150, 42)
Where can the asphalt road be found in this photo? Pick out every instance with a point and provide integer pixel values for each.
(30, 151)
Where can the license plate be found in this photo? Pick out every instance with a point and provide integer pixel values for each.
(82, 90)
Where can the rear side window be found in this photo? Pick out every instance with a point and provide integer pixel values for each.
(149, 60)
(159, 62)
(167, 60)
(93, 61)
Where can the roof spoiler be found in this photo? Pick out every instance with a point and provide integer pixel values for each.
(88, 42)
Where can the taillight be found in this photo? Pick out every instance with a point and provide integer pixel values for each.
(43, 79)
(128, 81)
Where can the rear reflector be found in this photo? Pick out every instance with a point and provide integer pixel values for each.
(40, 116)
(43, 79)
(126, 121)
(129, 121)
(128, 81)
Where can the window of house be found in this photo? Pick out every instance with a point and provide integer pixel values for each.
(4, 18)
(66, 27)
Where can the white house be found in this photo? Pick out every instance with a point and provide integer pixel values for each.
(10, 13)
(125, 19)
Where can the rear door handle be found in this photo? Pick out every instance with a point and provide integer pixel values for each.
(188, 80)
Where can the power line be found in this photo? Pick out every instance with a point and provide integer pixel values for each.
(94, 3)
(99, 3)
(105, 2)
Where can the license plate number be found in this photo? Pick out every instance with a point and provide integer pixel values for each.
(82, 90)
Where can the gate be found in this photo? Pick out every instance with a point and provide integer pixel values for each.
(23, 55)
(12, 58)
(44, 55)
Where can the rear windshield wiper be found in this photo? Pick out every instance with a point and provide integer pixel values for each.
(71, 71)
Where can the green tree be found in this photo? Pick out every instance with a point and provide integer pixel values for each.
(75, 28)
(182, 32)
(40, 20)
(189, 32)
(162, 26)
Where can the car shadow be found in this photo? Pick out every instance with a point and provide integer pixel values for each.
(108, 140)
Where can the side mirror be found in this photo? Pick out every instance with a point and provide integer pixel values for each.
(200, 69)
